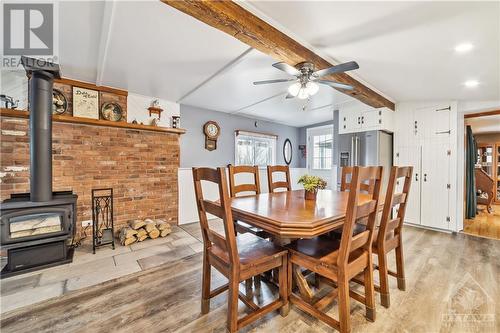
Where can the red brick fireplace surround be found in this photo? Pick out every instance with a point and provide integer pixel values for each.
(139, 164)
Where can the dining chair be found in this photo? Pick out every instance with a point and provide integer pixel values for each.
(345, 179)
(339, 261)
(236, 189)
(388, 236)
(238, 258)
(273, 185)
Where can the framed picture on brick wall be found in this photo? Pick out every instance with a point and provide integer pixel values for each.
(85, 103)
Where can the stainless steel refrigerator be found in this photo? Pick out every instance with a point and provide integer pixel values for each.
(370, 148)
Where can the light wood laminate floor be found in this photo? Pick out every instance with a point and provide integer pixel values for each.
(452, 286)
(485, 224)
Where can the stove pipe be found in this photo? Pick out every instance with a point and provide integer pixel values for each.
(41, 74)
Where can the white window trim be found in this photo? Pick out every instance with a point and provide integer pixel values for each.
(272, 137)
(308, 130)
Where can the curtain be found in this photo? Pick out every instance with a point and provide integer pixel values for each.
(470, 181)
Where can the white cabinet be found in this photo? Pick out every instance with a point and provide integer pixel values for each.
(424, 138)
(411, 155)
(364, 118)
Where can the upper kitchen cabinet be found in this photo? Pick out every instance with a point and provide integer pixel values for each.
(358, 118)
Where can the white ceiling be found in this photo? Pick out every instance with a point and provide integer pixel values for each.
(487, 124)
(232, 91)
(404, 49)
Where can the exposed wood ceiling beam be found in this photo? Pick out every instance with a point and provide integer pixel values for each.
(236, 21)
(482, 114)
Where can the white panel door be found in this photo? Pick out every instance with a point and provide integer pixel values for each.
(411, 156)
(435, 179)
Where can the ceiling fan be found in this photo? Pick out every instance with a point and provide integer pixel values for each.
(307, 78)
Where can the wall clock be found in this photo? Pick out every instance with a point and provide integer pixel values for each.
(212, 132)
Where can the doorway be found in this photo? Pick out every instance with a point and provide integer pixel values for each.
(485, 129)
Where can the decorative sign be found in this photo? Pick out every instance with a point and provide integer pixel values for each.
(85, 103)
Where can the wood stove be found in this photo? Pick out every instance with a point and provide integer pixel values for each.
(36, 227)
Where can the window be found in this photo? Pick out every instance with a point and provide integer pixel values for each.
(322, 152)
(254, 149)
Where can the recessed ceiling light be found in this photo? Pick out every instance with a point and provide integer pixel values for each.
(471, 83)
(464, 47)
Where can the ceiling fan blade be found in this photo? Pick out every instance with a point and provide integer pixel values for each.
(288, 96)
(334, 84)
(347, 66)
(272, 81)
(283, 66)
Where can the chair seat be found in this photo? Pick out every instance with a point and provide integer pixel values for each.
(251, 249)
(324, 249)
(243, 227)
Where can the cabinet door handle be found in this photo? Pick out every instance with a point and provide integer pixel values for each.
(363, 120)
(416, 127)
(444, 132)
(416, 177)
(425, 177)
(359, 122)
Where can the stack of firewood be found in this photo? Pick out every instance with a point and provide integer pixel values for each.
(139, 230)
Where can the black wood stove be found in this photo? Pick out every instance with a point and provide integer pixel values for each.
(35, 227)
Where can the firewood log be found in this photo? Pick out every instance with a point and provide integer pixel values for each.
(127, 232)
(165, 232)
(127, 236)
(150, 225)
(136, 224)
(155, 233)
(162, 224)
(128, 241)
(141, 233)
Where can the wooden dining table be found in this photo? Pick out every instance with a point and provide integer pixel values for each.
(288, 215)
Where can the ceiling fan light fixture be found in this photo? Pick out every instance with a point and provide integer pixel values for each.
(312, 88)
(303, 93)
(294, 89)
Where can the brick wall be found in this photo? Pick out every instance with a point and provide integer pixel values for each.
(140, 166)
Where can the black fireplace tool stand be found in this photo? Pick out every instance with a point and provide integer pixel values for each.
(102, 218)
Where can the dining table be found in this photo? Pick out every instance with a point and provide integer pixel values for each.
(287, 215)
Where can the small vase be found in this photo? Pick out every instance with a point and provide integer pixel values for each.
(310, 195)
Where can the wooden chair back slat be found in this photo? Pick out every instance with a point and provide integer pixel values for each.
(393, 199)
(235, 189)
(279, 184)
(345, 180)
(359, 240)
(365, 209)
(392, 224)
(217, 239)
(213, 208)
(357, 211)
(221, 209)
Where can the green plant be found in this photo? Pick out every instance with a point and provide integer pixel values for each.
(312, 183)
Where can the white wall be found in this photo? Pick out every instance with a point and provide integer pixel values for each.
(187, 204)
(137, 109)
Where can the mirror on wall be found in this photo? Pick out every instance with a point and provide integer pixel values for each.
(287, 151)
(14, 90)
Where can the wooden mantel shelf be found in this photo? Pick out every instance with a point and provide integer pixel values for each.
(96, 122)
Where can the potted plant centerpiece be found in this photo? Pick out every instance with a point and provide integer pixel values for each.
(311, 185)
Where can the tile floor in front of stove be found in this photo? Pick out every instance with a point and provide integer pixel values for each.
(89, 269)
